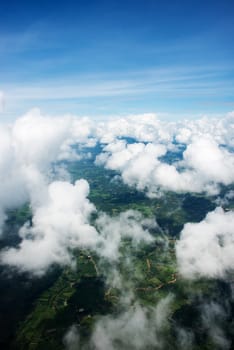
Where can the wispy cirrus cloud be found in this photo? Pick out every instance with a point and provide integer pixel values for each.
(164, 84)
(175, 79)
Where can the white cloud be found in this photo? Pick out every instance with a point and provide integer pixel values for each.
(62, 223)
(72, 339)
(213, 319)
(28, 149)
(59, 224)
(211, 162)
(136, 162)
(38, 140)
(149, 127)
(60, 210)
(142, 127)
(205, 165)
(136, 328)
(205, 249)
(130, 224)
(33, 143)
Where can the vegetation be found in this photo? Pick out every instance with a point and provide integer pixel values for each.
(43, 309)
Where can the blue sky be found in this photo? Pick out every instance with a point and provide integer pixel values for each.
(103, 58)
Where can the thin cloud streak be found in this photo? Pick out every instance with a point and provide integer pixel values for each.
(176, 81)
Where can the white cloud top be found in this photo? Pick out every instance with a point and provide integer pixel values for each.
(205, 249)
(205, 165)
(60, 224)
(136, 328)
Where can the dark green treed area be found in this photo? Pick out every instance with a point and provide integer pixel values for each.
(37, 312)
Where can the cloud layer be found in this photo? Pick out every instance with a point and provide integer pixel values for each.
(149, 154)
(205, 148)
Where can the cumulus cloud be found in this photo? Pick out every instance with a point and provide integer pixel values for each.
(61, 222)
(129, 224)
(150, 128)
(205, 249)
(37, 139)
(136, 162)
(213, 163)
(205, 165)
(138, 327)
(142, 127)
(34, 143)
(72, 339)
(220, 129)
(28, 150)
(213, 318)
(207, 160)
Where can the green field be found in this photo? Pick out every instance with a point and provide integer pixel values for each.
(82, 294)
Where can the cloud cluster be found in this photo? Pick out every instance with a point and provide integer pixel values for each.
(151, 128)
(136, 162)
(205, 249)
(33, 143)
(62, 223)
(143, 128)
(205, 146)
(31, 147)
(204, 166)
(221, 129)
(144, 151)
